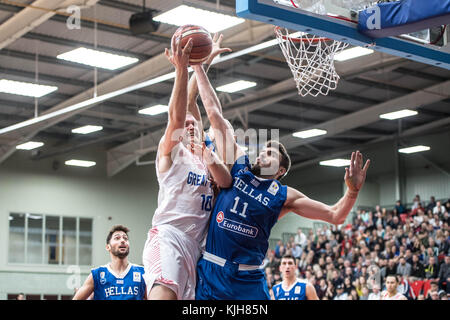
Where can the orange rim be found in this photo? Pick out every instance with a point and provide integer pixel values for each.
(302, 40)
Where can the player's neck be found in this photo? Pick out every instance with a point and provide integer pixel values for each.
(391, 294)
(289, 281)
(119, 265)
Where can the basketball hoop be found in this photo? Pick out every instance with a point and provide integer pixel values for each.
(311, 60)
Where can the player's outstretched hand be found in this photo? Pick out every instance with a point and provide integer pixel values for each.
(202, 151)
(355, 175)
(217, 48)
(179, 56)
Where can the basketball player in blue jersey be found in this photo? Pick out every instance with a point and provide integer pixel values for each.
(118, 280)
(244, 214)
(292, 288)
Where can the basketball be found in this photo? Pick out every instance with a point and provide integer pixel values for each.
(202, 42)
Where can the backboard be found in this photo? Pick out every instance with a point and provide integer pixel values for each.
(334, 19)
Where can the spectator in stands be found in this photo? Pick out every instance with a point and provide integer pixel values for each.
(444, 274)
(279, 249)
(439, 209)
(399, 207)
(375, 294)
(443, 295)
(403, 268)
(340, 293)
(416, 202)
(431, 269)
(321, 288)
(431, 204)
(417, 269)
(300, 238)
(353, 295)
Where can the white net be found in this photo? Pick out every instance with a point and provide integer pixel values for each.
(311, 60)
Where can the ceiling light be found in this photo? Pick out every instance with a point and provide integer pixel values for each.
(34, 216)
(87, 129)
(79, 163)
(154, 110)
(97, 58)
(29, 145)
(414, 149)
(309, 133)
(25, 88)
(352, 53)
(398, 114)
(335, 163)
(236, 86)
(211, 21)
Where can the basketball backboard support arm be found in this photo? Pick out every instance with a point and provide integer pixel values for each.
(269, 12)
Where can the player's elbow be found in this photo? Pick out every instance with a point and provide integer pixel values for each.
(225, 182)
(337, 219)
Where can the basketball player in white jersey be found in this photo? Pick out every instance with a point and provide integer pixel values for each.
(391, 290)
(183, 169)
(292, 288)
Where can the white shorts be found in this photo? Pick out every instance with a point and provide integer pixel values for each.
(170, 259)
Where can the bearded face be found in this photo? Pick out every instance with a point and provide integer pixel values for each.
(118, 245)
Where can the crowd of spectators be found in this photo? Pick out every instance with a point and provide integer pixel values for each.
(351, 262)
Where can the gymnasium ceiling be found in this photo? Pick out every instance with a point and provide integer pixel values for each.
(368, 85)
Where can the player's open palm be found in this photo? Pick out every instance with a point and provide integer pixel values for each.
(217, 47)
(355, 175)
(179, 56)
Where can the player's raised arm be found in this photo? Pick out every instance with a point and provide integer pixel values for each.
(86, 289)
(193, 87)
(219, 171)
(336, 214)
(178, 101)
(223, 133)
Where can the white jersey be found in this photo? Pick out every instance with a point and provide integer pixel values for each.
(185, 195)
(397, 296)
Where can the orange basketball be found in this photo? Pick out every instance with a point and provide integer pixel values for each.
(202, 42)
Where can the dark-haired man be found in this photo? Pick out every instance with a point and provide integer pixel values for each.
(244, 214)
(119, 279)
(391, 292)
(292, 288)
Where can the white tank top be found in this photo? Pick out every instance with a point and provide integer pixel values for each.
(385, 296)
(185, 195)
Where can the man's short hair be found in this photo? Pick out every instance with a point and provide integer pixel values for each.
(288, 256)
(285, 159)
(115, 229)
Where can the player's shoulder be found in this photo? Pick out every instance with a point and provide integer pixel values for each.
(136, 267)
(302, 281)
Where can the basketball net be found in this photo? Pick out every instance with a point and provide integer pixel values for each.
(311, 60)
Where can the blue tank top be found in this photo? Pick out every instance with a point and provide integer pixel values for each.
(109, 286)
(296, 292)
(244, 215)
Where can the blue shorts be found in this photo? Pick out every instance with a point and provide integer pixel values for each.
(215, 282)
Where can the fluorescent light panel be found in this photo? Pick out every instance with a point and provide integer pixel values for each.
(414, 149)
(97, 58)
(211, 21)
(87, 129)
(335, 163)
(154, 110)
(236, 86)
(309, 133)
(25, 88)
(29, 145)
(79, 163)
(352, 53)
(398, 114)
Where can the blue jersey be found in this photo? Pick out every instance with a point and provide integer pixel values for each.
(244, 215)
(296, 292)
(110, 286)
